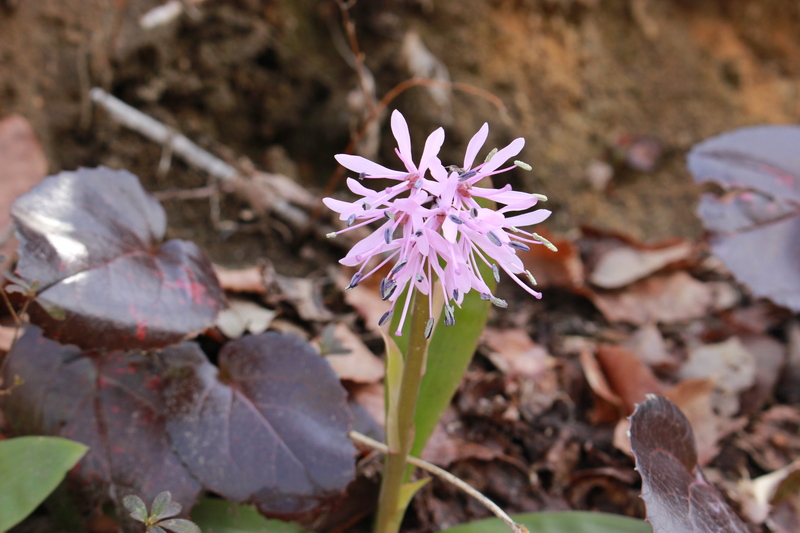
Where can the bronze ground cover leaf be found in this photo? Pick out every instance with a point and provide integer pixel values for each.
(91, 245)
(269, 426)
(755, 227)
(677, 495)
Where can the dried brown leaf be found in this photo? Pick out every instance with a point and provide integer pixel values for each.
(359, 364)
(514, 353)
(676, 297)
(623, 265)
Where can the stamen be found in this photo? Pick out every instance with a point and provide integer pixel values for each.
(523, 165)
(496, 273)
(490, 155)
(387, 235)
(498, 302)
(513, 229)
(354, 281)
(351, 220)
(429, 328)
(530, 277)
(540, 197)
(388, 287)
(486, 297)
(366, 206)
(455, 294)
(331, 235)
(449, 317)
(473, 212)
(456, 219)
(399, 266)
(549, 245)
(494, 239)
(361, 176)
(519, 246)
(418, 183)
(386, 316)
(420, 278)
(467, 175)
(388, 214)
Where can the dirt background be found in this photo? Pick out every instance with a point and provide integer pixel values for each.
(266, 80)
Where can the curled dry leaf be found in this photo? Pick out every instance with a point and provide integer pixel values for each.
(514, 353)
(693, 397)
(244, 316)
(677, 495)
(629, 378)
(91, 241)
(357, 363)
(651, 348)
(730, 365)
(306, 296)
(623, 265)
(563, 269)
(250, 280)
(676, 297)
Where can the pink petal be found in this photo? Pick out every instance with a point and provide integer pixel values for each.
(401, 134)
(438, 171)
(357, 188)
(528, 219)
(503, 155)
(356, 163)
(475, 144)
(432, 146)
(450, 229)
(502, 196)
(337, 205)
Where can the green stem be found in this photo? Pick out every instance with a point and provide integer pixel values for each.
(389, 512)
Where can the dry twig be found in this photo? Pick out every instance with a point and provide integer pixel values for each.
(447, 476)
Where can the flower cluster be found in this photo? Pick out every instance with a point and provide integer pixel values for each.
(432, 226)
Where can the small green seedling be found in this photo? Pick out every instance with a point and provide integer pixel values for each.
(160, 515)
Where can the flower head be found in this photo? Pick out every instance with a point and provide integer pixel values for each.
(438, 233)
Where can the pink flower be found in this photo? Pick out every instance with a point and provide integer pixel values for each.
(438, 234)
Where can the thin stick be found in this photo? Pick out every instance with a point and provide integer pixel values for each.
(447, 476)
(154, 130)
(181, 146)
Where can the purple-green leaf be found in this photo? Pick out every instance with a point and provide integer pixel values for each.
(755, 228)
(92, 241)
(677, 496)
(268, 427)
(113, 404)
